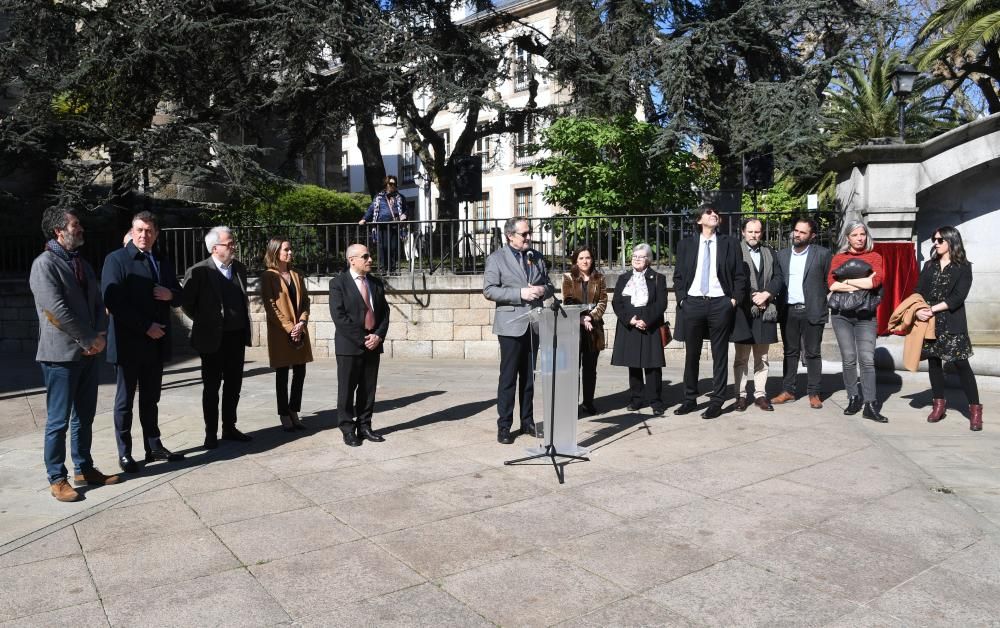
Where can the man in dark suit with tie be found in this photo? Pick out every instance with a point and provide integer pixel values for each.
(139, 288)
(709, 282)
(517, 280)
(802, 309)
(215, 299)
(360, 315)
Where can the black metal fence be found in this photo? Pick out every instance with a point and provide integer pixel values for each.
(431, 247)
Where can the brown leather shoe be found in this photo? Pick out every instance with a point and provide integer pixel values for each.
(741, 404)
(784, 397)
(763, 404)
(95, 477)
(62, 491)
(815, 402)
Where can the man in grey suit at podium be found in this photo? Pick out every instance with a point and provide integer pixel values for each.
(517, 280)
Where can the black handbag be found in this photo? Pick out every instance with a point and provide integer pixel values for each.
(857, 301)
(852, 269)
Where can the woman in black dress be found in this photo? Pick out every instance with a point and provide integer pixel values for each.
(944, 283)
(639, 302)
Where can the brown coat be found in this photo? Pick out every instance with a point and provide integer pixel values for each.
(572, 293)
(904, 319)
(281, 318)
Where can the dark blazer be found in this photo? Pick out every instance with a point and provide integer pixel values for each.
(814, 286)
(760, 331)
(729, 267)
(634, 347)
(202, 302)
(347, 309)
(127, 284)
(958, 288)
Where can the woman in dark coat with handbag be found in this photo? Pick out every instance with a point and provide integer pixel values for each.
(581, 285)
(944, 283)
(639, 301)
(856, 327)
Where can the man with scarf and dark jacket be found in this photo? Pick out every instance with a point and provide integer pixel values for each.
(72, 325)
(760, 313)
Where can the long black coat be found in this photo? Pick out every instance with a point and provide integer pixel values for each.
(633, 347)
(127, 284)
(957, 290)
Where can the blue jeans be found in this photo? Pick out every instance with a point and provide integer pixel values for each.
(71, 402)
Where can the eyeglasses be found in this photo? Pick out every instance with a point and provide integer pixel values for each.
(638, 257)
(362, 256)
(523, 234)
(938, 240)
(228, 245)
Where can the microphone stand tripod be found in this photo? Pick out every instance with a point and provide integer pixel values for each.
(550, 450)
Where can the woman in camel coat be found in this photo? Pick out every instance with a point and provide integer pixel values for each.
(286, 303)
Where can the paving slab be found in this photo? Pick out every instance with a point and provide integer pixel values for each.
(634, 611)
(422, 606)
(940, 597)
(87, 615)
(269, 537)
(806, 505)
(246, 502)
(27, 588)
(118, 526)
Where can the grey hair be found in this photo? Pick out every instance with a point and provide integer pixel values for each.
(212, 237)
(352, 250)
(510, 227)
(645, 248)
(843, 245)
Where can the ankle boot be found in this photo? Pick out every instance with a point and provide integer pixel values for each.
(938, 410)
(286, 423)
(872, 413)
(853, 405)
(975, 417)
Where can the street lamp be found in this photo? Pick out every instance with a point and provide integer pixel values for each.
(902, 79)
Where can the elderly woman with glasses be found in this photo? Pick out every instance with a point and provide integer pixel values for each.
(944, 283)
(387, 207)
(639, 301)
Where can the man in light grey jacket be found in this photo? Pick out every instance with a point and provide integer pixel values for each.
(517, 280)
(72, 324)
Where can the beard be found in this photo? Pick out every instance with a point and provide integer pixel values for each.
(72, 242)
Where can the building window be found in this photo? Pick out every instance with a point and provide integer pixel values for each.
(486, 147)
(410, 163)
(524, 152)
(522, 69)
(483, 214)
(524, 201)
(446, 136)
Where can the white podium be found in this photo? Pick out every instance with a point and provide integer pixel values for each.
(558, 374)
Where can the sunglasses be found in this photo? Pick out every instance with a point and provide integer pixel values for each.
(938, 240)
(709, 211)
(362, 256)
(523, 234)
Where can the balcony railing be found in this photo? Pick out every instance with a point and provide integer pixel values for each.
(430, 246)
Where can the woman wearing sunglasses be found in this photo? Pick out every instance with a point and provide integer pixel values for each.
(944, 283)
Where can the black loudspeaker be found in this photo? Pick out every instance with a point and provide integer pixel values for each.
(468, 177)
(758, 171)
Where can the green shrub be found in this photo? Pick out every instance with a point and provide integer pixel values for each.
(299, 204)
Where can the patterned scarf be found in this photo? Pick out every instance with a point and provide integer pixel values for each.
(70, 257)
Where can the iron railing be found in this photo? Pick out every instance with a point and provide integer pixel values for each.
(430, 247)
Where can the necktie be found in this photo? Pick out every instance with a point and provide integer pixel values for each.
(706, 268)
(524, 264)
(152, 267)
(369, 313)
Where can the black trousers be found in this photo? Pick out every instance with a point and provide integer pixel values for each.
(148, 377)
(801, 337)
(286, 403)
(645, 385)
(223, 368)
(935, 370)
(357, 377)
(712, 317)
(588, 374)
(517, 371)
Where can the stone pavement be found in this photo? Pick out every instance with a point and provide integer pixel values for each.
(796, 517)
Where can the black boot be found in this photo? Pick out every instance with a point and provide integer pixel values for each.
(853, 405)
(872, 413)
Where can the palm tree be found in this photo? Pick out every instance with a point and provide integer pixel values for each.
(961, 42)
(860, 105)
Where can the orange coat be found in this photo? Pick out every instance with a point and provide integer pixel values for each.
(281, 318)
(904, 319)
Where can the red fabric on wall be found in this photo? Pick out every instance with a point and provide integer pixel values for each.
(900, 259)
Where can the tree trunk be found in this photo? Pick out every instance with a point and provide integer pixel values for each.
(371, 152)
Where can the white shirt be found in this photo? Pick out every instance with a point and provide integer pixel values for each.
(355, 276)
(755, 257)
(797, 273)
(714, 287)
(227, 271)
